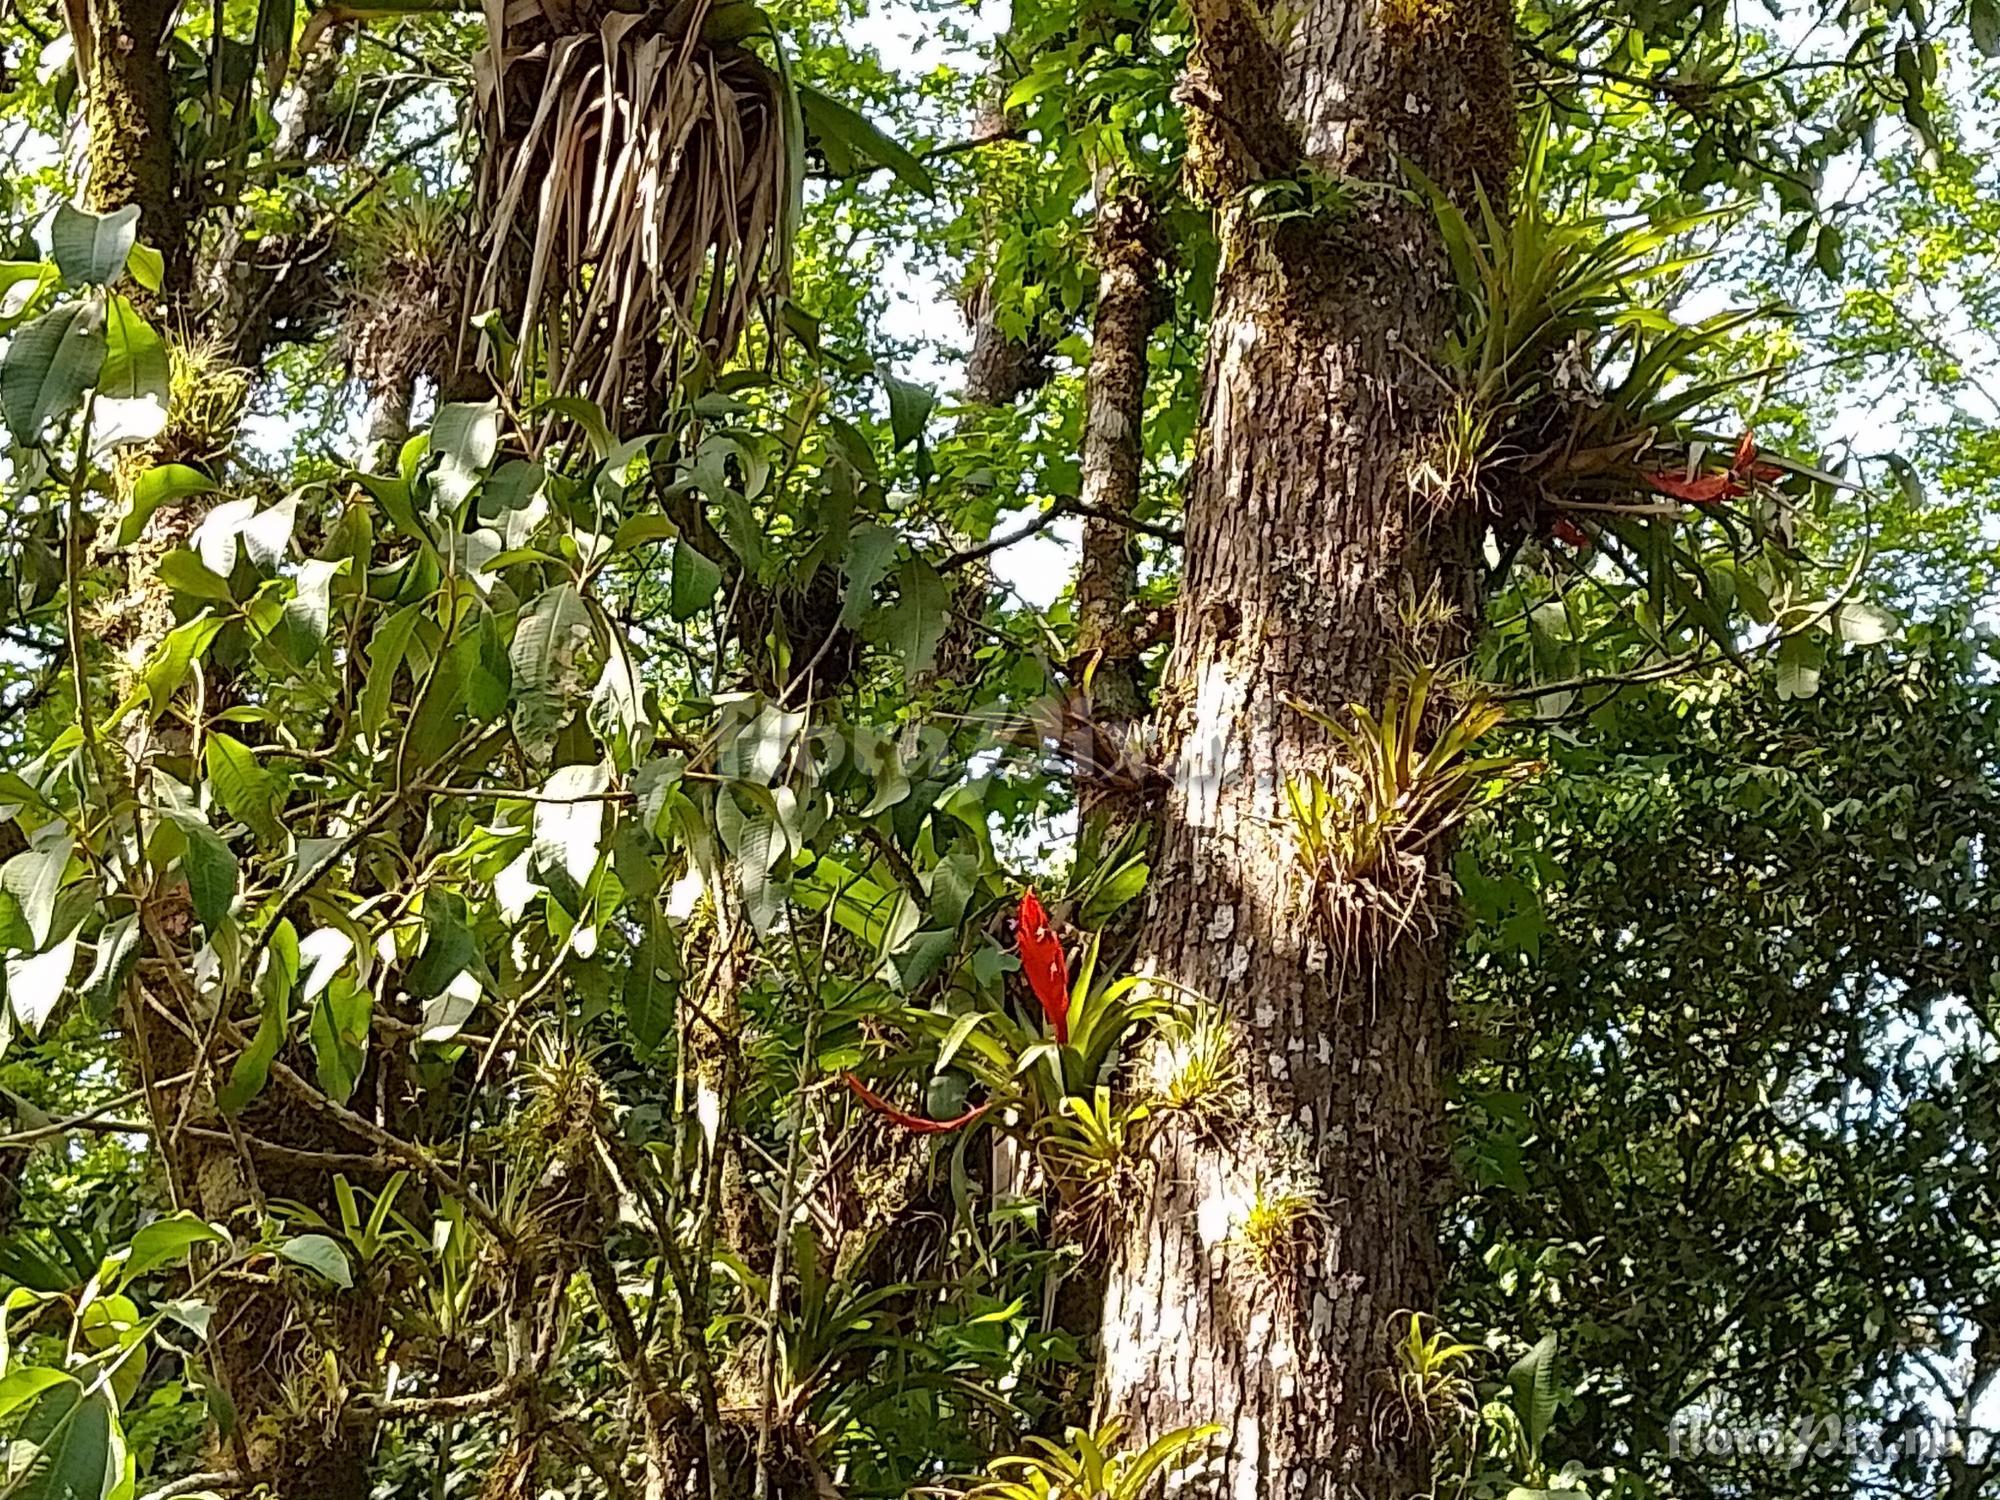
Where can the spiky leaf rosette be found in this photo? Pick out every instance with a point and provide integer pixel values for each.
(637, 188)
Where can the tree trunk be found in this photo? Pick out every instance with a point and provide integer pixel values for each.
(1130, 305)
(1256, 1282)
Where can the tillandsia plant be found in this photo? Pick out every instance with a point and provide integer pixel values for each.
(1094, 1465)
(1576, 413)
(1364, 836)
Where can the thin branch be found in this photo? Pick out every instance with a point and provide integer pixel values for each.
(94, 1119)
(1065, 506)
(189, 1484)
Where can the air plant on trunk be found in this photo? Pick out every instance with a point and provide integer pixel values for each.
(640, 176)
(1573, 391)
(1364, 837)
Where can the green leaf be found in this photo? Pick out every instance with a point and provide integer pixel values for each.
(846, 137)
(316, 1252)
(134, 375)
(694, 582)
(252, 1068)
(551, 633)
(146, 266)
(276, 20)
(449, 949)
(339, 1035)
(247, 791)
(168, 668)
(913, 626)
(117, 955)
(35, 984)
(65, 1448)
(184, 573)
(1533, 1380)
(1799, 660)
(210, 869)
(302, 628)
(92, 249)
(569, 822)
(48, 366)
(909, 408)
(652, 982)
(32, 878)
(167, 1240)
(386, 650)
(465, 437)
(869, 553)
(156, 487)
(18, 1387)
(1860, 623)
(1984, 19)
(637, 531)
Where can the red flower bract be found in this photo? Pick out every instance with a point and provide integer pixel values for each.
(1706, 489)
(918, 1124)
(1046, 968)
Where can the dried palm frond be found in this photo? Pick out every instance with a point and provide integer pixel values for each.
(637, 188)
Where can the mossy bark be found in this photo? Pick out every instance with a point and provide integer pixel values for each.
(1308, 574)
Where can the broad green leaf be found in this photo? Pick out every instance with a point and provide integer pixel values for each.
(1860, 623)
(569, 822)
(1799, 661)
(464, 439)
(156, 487)
(449, 947)
(146, 266)
(339, 1035)
(247, 791)
(844, 136)
(35, 984)
(652, 982)
(693, 582)
(909, 408)
(167, 1240)
(386, 650)
(316, 1252)
(64, 1448)
(276, 21)
(1533, 1380)
(132, 386)
(48, 366)
(117, 954)
(637, 531)
(209, 867)
(32, 878)
(252, 1068)
(551, 633)
(18, 1387)
(913, 626)
(184, 573)
(92, 249)
(170, 664)
(869, 552)
(302, 628)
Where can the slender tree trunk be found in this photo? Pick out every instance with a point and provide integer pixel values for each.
(1130, 304)
(1255, 1284)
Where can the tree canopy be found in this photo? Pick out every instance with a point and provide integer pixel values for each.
(613, 624)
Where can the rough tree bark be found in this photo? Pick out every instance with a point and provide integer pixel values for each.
(1309, 573)
(1130, 304)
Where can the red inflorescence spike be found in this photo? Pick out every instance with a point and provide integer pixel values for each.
(918, 1124)
(1042, 958)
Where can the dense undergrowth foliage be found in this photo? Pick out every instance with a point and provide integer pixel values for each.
(550, 944)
